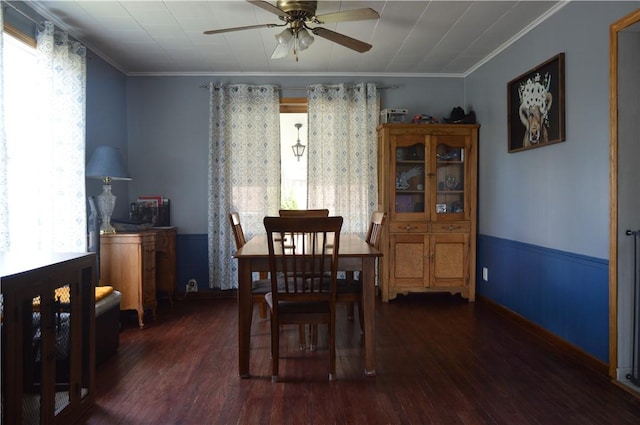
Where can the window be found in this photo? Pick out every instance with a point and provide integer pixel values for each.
(24, 163)
(293, 172)
(43, 103)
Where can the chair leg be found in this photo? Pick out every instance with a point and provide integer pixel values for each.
(350, 276)
(275, 350)
(263, 303)
(332, 348)
(263, 309)
(314, 337)
(361, 316)
(350, 310)
(302, 335)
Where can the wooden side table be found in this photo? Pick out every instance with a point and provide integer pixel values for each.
(139, 265)
(128, 263)
(166, 261)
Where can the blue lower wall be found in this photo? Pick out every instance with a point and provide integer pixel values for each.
(565, 293)
(192, 261)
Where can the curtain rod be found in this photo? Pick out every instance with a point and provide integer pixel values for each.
(394, 86)
(21, 12)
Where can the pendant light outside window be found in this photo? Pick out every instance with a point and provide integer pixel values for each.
(298, 148)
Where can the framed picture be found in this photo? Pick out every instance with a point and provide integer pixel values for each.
(150, 201)
(535, 106)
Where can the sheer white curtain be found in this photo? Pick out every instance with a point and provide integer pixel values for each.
(244, 170)
(343, 152)
(45, 148)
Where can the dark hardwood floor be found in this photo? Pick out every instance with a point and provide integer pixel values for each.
(440, 360)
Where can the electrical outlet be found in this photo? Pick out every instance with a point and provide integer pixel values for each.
(192, 285)
(485, 274)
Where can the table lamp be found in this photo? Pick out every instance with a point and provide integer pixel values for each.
(106, 164)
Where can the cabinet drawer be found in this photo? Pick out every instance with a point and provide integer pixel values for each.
(408, 227)
(451, 227)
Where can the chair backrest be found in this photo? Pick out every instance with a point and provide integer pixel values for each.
(375, 229)
(238, 233)
(304, 213)
(303, 266)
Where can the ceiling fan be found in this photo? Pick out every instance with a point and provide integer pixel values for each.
(297, 16)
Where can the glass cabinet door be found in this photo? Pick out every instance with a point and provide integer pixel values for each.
(410, 184)
(450, 179)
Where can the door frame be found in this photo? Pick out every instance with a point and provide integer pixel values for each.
(614, 29)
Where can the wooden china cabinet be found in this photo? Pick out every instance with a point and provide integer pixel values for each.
(428, 189)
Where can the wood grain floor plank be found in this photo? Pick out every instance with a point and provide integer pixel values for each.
(440, 360)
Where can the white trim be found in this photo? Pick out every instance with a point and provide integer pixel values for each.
(39, 9)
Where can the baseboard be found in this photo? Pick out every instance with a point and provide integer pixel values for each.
(631, 389)
(538, 331)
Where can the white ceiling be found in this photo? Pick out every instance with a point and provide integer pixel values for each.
(412, 38)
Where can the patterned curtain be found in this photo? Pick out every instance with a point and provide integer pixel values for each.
(45, 151)
(4, 204)
(343, 152)
(244, 170)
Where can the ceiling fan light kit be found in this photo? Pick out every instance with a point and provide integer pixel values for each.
(297, 16)
(305, 39)
(294, 39)
(284, 37)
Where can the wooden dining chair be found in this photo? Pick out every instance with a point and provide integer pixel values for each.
(303, 277)
(349, 289)
(321, 212)
(305, 213)
(258, 287)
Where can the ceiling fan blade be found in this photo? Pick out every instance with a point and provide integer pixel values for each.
(351, 43)
(347, 15)
(249, 27)
(269, 8)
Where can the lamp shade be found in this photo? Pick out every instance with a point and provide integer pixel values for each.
(305, 39)
(106, 162)
(284, 37)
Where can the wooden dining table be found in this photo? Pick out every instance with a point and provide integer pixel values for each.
(355, 255)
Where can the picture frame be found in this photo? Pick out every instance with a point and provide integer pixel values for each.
(150, 201)
(535, 106)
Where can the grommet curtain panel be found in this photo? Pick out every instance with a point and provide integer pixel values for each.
(42, 187)
(343, 152)
(244, 169)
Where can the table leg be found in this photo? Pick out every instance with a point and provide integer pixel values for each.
(369, 309)
(141, 317)
(245, 311)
